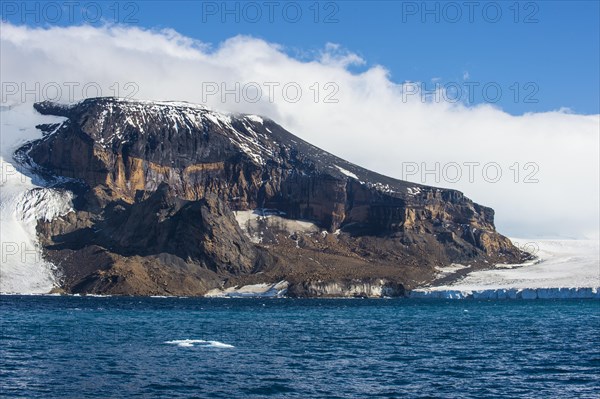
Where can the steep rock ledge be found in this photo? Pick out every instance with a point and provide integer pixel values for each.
(157, 181)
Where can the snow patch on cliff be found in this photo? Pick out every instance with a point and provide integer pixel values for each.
(254, 222)
(255, 118)
(413, 190)
(346, 172)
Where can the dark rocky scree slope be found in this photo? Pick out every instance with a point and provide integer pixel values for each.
(156, 185)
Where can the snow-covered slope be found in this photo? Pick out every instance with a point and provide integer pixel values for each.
(23, 200)
(563, 269)
(184, 117)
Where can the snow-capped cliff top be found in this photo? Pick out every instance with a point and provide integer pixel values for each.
(116, 122)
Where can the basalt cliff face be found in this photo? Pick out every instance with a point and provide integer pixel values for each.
(174, 198)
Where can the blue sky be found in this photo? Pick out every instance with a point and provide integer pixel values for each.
(542, 55)
(549, 52)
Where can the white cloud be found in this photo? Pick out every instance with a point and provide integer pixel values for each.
(335, 55)
(373, 123)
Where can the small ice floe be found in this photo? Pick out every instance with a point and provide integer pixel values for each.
(199, 342)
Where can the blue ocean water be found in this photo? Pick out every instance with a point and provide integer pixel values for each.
(126, 347)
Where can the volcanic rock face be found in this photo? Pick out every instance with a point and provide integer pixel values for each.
(157, 186)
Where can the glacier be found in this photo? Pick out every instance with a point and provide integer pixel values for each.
(565, 269)
(24, 198)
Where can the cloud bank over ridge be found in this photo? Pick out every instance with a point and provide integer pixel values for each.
(539, 171)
